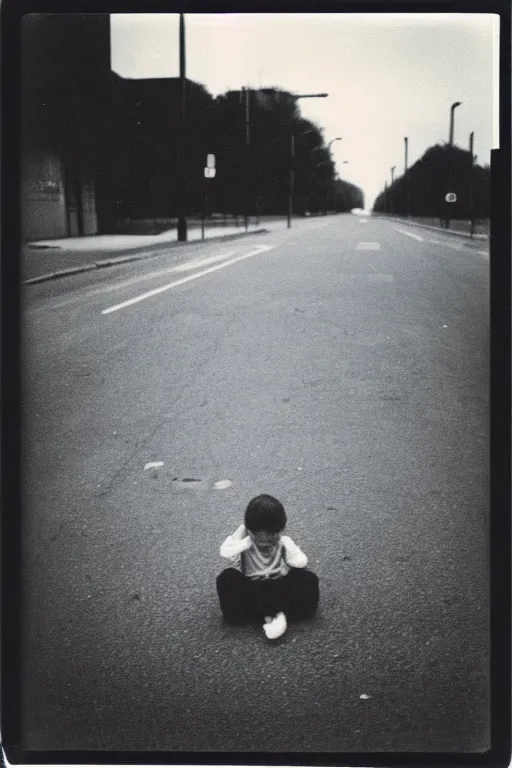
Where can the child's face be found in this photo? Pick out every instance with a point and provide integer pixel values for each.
(265, 541)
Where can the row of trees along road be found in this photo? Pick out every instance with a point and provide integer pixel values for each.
(421, 191)
(250, 177)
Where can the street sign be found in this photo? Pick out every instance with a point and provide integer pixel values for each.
(210, 161)
(451, 197)
(209, 173)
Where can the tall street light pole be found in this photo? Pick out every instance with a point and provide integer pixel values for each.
(449, 174)
(391, 189)
(452, 111)
(471, 204)
(291, 180)
(333, 205)
(391, 194)
(338, 138)
(247, 158)
(182, 176)
(407, 189)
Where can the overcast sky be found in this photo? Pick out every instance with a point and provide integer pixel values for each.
(387, 75)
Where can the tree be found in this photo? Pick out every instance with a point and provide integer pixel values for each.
(422, 190)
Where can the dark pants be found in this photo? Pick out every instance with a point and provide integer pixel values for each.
(242, 598)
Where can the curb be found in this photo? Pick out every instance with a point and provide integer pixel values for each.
(135, 257)
(437, 229)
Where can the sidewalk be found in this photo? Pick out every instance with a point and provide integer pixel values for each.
(458, 232)
(46, 259)
(49, 259)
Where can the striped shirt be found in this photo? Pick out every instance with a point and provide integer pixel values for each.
(244, 556)
(258, 566)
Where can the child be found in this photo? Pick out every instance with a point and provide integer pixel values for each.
(266, 581)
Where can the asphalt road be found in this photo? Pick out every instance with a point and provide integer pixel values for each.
(343, 370)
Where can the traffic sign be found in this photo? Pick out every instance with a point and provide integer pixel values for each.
(451, 197)
(209, 173)
(210, 161)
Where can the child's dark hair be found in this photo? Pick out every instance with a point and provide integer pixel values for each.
(264, 513)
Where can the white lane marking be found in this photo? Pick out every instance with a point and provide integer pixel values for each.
(457, 247)
(410, 234)
(188, 265)
(260, 249)
(366, 246)
(483, 253)
(363, 221)
(133, 281)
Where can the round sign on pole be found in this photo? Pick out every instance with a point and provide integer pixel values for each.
(451, 197)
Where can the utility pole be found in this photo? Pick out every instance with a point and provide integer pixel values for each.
(471, 203)
(291, 182)
(385, 197)
(406, 179)
(391, 206)
(247, 158)
(452, 111)
(291, 179)
(182, 138)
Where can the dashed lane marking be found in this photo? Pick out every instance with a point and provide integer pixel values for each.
(260, 249)
(367, 246)
(453, 246)
(410, 234)
(380, 278)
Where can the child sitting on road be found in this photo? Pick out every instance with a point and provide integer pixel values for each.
(266, 580)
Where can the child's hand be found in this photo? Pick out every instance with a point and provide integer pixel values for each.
(238, 542)
(240, 532)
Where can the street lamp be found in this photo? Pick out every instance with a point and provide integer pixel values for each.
(471, 204)
(449, 163)
(338, 138)
(296, 97)
(452, 110)
(182, 176)
(407, 192)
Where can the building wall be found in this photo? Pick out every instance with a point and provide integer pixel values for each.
(65, 94)
(89, 215)
(43, 203)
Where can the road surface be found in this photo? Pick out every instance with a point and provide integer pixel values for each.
(341, 366)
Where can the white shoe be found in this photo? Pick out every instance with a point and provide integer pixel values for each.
(275, 627)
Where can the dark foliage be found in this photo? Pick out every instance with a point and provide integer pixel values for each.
(252, 165)
(422, 190)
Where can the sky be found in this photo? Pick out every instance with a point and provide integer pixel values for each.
(387, 75)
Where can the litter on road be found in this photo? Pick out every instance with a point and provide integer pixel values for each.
(220, 485)
(153, 465)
